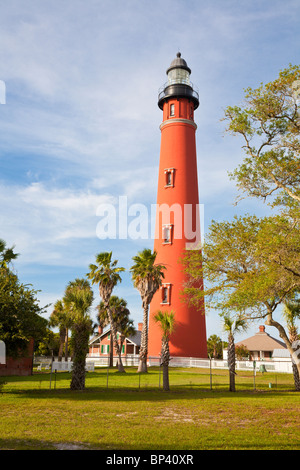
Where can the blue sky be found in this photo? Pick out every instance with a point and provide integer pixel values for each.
(80, 126)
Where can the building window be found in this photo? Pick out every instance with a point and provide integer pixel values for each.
(172, 109)
(166, 294)
(104, 348)
(167, 233)
(169, 175)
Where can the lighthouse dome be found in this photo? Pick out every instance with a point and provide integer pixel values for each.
(179, 63)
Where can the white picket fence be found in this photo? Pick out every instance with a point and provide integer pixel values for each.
(67, 366)
(44, 365)
(270, 366)
(129, 360)
(284, 366)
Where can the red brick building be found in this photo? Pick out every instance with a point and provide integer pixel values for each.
(22, 365)
(101, 344)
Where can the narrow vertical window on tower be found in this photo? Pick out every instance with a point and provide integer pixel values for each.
(166, 294)
(167, 233)
(172, 109)
(169, 174)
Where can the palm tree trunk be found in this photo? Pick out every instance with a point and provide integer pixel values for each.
(296, 377)
(121, 368)
(231, 363)
(144, 341)
(66, 344)
(81, 337)
(62, 335)
(165, 359)
(111, 352)
(296, 371)
(114, 336)
(78, 377)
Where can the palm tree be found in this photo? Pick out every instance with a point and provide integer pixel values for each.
(167, 323)
(232, 326)
(127, 329)
(6, 254)
(79, 298)
(57, 320)
(106, 274)
(61, 318)
(120, 314)
(214, 346)
(291, 312)
(103, 321)
(147, 278)
(123, 323)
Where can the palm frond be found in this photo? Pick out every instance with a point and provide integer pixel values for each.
(166, 321)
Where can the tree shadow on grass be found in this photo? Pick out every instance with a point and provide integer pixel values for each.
(110, 385)
(147, 395)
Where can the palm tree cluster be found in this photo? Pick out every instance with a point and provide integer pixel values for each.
(121, 318)
(106, 274)
(147, 278)
(73, 311)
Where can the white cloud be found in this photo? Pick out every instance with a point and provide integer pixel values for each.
(42, 221)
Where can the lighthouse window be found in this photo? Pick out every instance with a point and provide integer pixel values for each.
(167, 233)
(169, 174)
(166, 294)
(172, 110)
(178, 75)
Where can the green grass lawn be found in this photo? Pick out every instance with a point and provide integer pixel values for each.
(130, 412)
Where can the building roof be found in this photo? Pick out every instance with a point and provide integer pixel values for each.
(179, 63)
(261, 341)
(136, 338)
(281, 353)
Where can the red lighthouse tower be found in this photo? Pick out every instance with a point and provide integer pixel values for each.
(177, 218)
